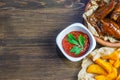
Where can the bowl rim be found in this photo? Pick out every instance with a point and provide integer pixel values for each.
(92, 42)
(99, 40)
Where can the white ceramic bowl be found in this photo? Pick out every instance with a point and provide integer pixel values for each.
(75, 27)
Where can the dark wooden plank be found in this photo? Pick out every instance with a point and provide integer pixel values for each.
(36, 4)
(29, 63)
(27, 40)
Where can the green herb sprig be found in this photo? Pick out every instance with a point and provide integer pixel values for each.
(78, 43)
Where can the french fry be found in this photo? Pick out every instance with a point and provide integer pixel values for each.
(117, 63)
(111, 61)
(112, 56)
(118, 78)
(101, 77)
(96, 69)
(113, 74)
(105, 65)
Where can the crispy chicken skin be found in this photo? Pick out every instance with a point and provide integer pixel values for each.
(101, 3)
(111, 28)
(116, 12)
(94, 22)
(104, 10)
(118, 21)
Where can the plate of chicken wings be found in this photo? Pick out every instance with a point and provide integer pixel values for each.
(102, 18)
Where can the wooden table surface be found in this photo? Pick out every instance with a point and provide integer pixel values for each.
(28, 29)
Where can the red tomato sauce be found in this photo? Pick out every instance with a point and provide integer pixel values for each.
(68, 46)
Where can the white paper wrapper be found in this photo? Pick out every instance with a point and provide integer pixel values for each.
(83, 75)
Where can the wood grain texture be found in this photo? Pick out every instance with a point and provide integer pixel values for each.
(28, 29)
